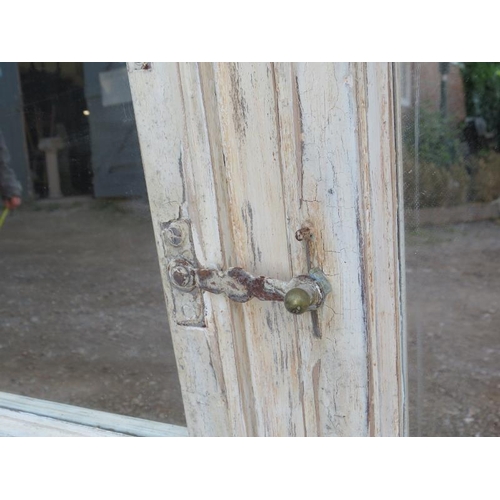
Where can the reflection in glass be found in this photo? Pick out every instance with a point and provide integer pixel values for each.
(452, 193)
(82, 314)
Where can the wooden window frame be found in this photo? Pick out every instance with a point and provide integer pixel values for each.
(192, 106)
(30, 417)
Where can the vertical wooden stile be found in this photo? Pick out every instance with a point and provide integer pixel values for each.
(251, 153)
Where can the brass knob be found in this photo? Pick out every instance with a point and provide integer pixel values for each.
(298, 301)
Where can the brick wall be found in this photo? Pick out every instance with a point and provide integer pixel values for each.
(430, 90)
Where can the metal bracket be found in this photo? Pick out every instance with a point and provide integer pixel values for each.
(189, 308)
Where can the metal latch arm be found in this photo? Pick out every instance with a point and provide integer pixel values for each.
(300, 294)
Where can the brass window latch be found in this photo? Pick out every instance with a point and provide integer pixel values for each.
(300, 294)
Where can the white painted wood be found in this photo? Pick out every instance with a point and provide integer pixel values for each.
(20, 424)
(400, 233)
(251, 153)
(25, 416)
(162, 128)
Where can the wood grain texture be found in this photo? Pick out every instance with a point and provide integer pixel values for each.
(163, 134)
(55, 419)
(251, 153)
(20, 424)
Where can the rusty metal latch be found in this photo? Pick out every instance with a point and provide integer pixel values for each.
(300, 294)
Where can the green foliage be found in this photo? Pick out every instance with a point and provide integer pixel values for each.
(437, 186)
(442, 168)
(446, 175)
(482, 87)
(482, 92)
(485, 186)
(438, 142)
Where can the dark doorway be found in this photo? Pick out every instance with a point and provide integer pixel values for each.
(55, 105)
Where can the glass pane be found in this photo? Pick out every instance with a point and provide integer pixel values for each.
(82, 313)
(452, 200)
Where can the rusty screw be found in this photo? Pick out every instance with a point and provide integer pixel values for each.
(182, 277)
(303, 234)
(174, 235)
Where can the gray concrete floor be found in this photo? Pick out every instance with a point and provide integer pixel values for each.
(82, 312)
(453, 306)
